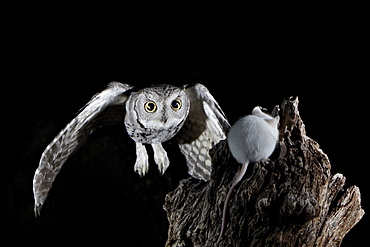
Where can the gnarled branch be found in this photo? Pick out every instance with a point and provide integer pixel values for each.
(289, 200)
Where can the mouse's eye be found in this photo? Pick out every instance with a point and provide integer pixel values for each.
(176, 104)
(150, 106)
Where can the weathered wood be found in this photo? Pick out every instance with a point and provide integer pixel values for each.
(289, 200)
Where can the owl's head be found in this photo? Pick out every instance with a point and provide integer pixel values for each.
(154, 111)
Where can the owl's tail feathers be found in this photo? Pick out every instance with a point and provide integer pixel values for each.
(236, 180)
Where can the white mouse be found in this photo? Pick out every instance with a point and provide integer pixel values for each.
(252, 138)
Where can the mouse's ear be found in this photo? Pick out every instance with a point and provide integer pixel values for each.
(273, 121)
(256, 110)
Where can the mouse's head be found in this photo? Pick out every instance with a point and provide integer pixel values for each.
(257, 111)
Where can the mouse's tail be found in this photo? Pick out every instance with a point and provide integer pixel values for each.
(236, 180)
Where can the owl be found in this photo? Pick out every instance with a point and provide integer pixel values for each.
(151, 116)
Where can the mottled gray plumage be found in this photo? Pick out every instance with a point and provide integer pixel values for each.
(152, 115)
(205, 126)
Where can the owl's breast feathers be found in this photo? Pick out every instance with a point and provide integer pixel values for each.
(150, 135)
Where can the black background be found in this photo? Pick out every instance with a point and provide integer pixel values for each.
(56, 61)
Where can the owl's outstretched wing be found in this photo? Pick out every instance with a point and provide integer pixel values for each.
(204, 127)
(104, 107)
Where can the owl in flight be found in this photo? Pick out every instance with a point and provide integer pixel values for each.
(151, 115)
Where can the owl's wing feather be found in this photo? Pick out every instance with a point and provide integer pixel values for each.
(204, 127)
(105, 107)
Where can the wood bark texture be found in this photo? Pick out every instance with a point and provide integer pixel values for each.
(289, 200)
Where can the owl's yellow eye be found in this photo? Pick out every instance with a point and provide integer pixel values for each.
(176, 104)
(150, 106)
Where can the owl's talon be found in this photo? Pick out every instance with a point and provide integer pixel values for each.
(142, 165)
(163, 165)
(160, 157)
(162, 168)
(141, 168)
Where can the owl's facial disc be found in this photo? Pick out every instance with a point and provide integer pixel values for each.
(157, 113)
(164, 113)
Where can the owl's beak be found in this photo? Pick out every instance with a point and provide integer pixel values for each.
(164, 119)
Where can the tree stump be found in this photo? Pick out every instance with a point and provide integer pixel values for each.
(289, 200)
